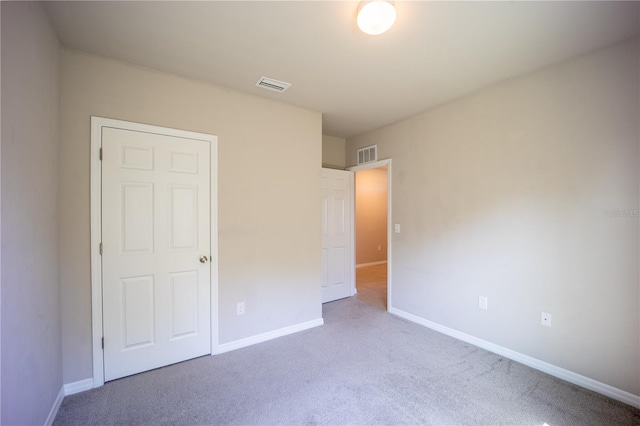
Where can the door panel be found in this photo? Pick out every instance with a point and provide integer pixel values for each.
(138, 311)
(184, 217)
(337, 220)
(137, 217)
(155, 227)
(184, 306)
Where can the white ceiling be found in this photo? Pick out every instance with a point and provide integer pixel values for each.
(436, 51)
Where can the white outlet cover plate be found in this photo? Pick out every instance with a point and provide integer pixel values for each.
(483, 302)
(545, 319)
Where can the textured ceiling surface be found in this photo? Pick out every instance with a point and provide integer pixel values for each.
(435, 52)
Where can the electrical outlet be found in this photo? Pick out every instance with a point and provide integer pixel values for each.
(396, 228)
(483, 302)
(545, 319)
(240, 309)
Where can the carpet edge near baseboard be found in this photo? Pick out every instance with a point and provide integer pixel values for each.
(86, 384)
(269, 335)
(553, 370)
(54, 409)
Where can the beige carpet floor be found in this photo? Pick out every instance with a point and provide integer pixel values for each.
(371, 283)
(363, 367)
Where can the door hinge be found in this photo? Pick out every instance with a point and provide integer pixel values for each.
(103, 343)
(100, 154)
(100, 249)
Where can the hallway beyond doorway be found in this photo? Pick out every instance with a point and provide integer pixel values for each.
(371, 283)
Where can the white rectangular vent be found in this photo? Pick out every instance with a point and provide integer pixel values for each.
(271, 84)
(368, 154)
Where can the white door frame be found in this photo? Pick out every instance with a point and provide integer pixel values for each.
(375, 165)
(97, 123)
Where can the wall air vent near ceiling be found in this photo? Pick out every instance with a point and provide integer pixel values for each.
(271, 84)
(368, 154)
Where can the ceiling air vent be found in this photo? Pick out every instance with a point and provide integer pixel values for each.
(368, 154)
(271, 84)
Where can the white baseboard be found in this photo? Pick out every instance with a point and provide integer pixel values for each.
(54, 410)
(86, 384)
(79, 386)
(569, 376)
(237, 344)
(362, 265)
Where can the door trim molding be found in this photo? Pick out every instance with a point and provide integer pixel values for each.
(97, 124)
(376, 165)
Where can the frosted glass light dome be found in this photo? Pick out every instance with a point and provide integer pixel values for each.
(376, 17)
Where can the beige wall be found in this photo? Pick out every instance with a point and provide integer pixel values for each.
(31, 334)
(371, 216)
(333, 152)
(269, 219)
(505, 194)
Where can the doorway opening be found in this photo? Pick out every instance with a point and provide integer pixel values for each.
(372, 233)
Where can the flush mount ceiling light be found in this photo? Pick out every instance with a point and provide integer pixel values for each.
(376, 16)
